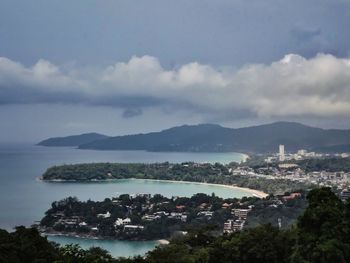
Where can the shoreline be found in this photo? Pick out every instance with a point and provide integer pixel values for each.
(245, 157)
(253, 192)
(158, 241)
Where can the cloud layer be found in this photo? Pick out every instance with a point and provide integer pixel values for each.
(291, 87)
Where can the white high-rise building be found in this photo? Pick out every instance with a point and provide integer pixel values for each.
(281, 153)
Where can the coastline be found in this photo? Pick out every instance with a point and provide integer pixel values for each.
(254, 192)
(89, 237)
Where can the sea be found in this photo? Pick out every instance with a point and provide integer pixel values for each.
(24, 199)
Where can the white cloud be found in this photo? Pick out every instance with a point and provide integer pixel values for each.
(292, 86)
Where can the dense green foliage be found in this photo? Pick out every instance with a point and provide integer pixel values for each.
(322, 235)
(327, 164)
(267, 212)
(169, 212)
(193, 172)
(338, 148)
(135, 209)
(26, 245)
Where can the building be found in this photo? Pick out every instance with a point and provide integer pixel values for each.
(345, 195)
(302, 152)
(291, 196)
(287, 165)
(237, 225)
(231, 226)
(133, 228)
(228, 226)
(106, 215)
(121, 221)
(281, 155)
(241, 213)
(226, 205)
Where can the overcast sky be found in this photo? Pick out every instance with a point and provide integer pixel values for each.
(118, 67)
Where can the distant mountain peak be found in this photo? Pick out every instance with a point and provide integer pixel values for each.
(214, 138)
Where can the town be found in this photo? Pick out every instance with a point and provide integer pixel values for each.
(302, 166)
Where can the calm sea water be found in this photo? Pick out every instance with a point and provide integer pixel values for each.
(23, 199)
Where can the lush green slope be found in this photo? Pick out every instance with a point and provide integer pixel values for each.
(339, 148)
(322, 234)
(74, 140)
(192, 172)
(214, 138)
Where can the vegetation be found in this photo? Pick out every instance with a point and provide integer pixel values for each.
(328, 164)
(214, 138)
(26, 245)
(193, 172)
(271, 209)
(322, 234)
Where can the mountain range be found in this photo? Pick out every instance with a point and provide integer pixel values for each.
(215, 138)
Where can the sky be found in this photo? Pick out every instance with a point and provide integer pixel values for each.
(121, 67)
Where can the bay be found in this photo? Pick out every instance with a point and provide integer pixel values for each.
(24, 199)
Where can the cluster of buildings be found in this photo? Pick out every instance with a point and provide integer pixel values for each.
(172, 215)
(301, 154)
(293, 172)
(237, 222)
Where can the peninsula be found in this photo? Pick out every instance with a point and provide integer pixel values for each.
(147, 217)
(185, 172)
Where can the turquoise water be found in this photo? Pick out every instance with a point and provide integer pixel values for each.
(23, 199)
(116, 248)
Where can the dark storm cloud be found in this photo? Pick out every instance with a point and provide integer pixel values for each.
(292, 86)
(170, 62)
(224, 32)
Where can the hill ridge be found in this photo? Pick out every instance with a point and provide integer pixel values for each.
(208, 137)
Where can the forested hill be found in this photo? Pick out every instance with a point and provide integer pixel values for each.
(320, 235)
(215, 138)
(74, 140)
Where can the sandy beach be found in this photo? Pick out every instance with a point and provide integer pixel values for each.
(254, 192)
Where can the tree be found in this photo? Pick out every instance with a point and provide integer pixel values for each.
(26, 245)
(321, 232)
